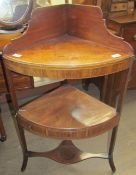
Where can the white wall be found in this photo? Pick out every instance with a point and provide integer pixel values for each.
(59, 1)
(6, 10)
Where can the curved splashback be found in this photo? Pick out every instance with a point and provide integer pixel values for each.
(81, 21)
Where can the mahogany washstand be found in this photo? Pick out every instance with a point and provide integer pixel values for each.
(68, 42)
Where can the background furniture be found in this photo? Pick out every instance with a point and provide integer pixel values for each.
(122, 20)
(104, 4)
(2, 130)
(12, 27)
(21, 13)
(15, 13)
(121, 7)
(45, 53)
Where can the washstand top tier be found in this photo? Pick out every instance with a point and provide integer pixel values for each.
(67, 41)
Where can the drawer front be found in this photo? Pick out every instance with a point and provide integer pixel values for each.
(115, 7)
(20, 81)
(23, 82)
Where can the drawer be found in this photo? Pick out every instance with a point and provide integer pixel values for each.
(23, 82)
(20, 81)
(115, 7)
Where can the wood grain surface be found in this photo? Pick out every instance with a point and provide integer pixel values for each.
(67, 113)
(6, 38)
(71, 41)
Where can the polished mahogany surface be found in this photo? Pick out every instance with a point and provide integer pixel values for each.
(67, 113)
(5, 38)
(21, 82)
(69, 41)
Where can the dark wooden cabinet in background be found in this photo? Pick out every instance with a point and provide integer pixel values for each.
(127, 30)
(104, 4)
(121, 20)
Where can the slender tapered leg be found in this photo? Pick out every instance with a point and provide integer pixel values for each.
(24, 164)
(111, 149)
(24, 148)
(19, 129)
(116, 86)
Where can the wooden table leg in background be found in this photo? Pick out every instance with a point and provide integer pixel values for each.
(2, 130)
